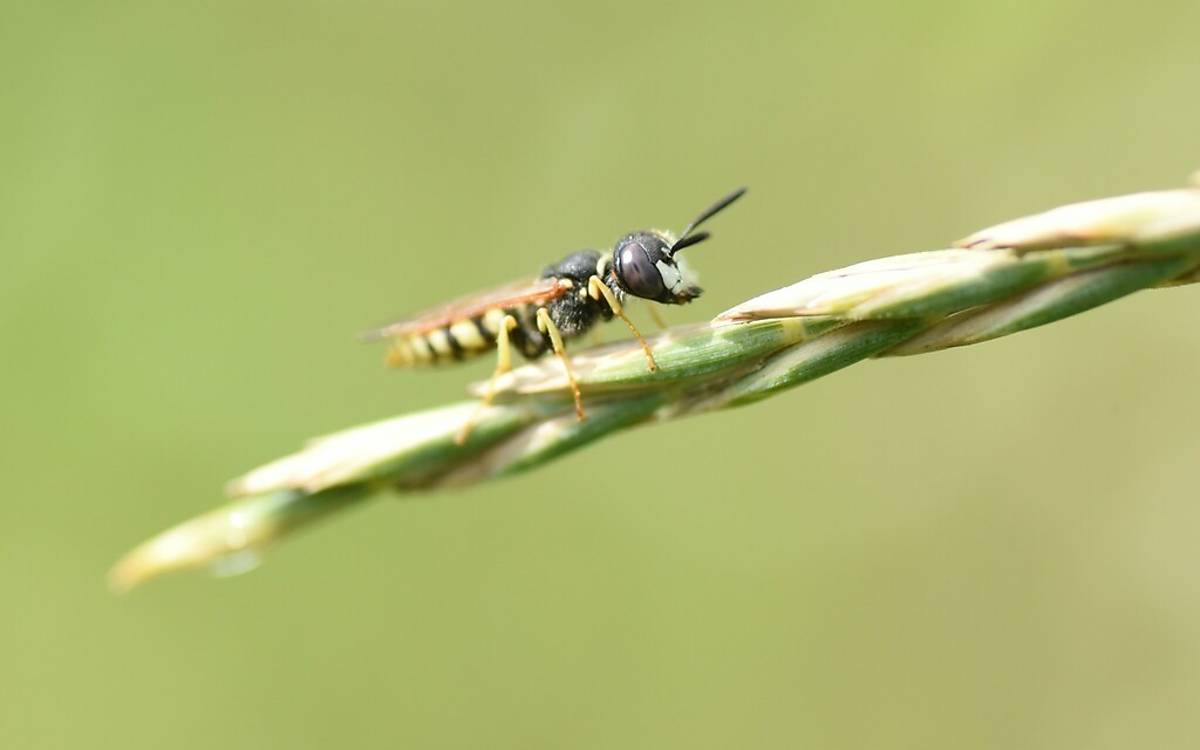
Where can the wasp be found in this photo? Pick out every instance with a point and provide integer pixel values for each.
(567, 300)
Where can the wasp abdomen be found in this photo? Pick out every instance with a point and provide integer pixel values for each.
(454, 342)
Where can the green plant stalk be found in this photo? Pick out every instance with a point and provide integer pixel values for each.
(1014, 277)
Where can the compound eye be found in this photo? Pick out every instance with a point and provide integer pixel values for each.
(637, 273)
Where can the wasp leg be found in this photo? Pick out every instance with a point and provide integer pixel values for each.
(546, 325)
(503, 365)
(658, 321)
(598, 289)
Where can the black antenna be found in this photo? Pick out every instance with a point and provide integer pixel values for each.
(686, 241)
(695, 239)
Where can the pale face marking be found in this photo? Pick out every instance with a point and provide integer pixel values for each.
(670, 275)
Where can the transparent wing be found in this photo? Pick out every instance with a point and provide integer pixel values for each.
(510, 295)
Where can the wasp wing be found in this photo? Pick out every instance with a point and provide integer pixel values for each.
(473, 305)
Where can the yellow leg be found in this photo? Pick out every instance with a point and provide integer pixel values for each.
(546, 326)
(658, 321)
(598, 289)
(503, 365)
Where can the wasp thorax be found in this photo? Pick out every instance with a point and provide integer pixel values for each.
(644, 267)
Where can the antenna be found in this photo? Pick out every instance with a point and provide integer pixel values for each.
(686, 241)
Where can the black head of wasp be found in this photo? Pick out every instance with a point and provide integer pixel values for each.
(569, 298)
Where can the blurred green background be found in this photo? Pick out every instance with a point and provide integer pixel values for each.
(200, 203)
